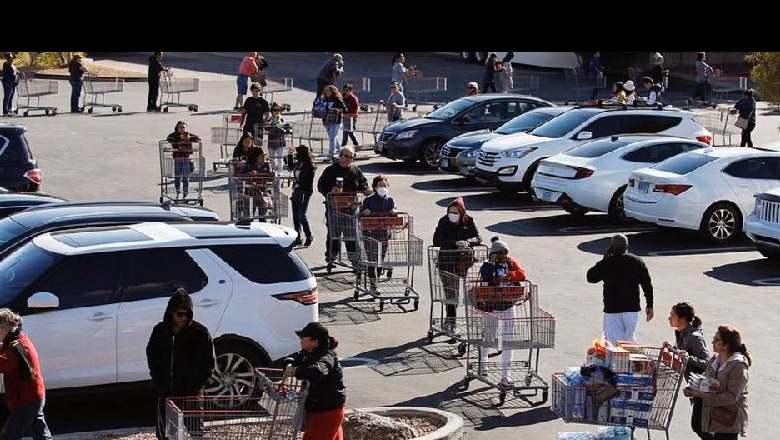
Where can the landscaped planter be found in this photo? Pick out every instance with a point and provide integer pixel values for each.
(449, 425)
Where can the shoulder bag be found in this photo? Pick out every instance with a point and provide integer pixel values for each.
(743, 122)
(723, 416)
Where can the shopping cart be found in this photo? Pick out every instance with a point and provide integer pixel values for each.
(646, 405)
(276, 85)
(226, 137)
(388, 246)
(256, 196)
(341, 219)
(96, 89)
(419, 88)
(507, 319)
(183, 165)
(448, 271)
(277, 414)
(31, 89)
(279, 142)
(172, 87)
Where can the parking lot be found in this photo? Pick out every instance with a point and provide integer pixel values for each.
(115, 155)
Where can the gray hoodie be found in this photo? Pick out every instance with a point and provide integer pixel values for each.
(692, 341)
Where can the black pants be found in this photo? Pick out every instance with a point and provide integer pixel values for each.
(342, 230)
(154, 93)
(747, 140)
(702, 91)
(698, 403)
(347, 136)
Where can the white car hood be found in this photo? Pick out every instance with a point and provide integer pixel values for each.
(509, 141)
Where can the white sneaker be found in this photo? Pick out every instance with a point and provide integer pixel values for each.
(506, 382)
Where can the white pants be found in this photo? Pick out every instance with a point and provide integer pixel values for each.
(620, 326)
(499, 327)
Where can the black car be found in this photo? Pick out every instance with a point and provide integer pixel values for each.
(19, 228)
(422, 138)
(11, 202)
(18, 169)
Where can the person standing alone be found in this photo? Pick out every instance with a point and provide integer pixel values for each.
(153, 78)
(76, 71)
(622, 273)
(745, 108)
(10, 82)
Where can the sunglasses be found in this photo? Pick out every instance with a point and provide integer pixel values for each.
(348, 156)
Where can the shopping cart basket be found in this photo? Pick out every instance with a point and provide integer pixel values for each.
(257, 196)
(182, 166)
(341, 220)
(32, 89)
(226, 136)
(96, 89)
(172, 87)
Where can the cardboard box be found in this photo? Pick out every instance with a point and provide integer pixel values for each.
(644, 394)
(618, 359)
(640, 364)
(630, 421)
(640, 380)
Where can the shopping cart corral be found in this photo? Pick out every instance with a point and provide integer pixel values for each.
(172, 88)
(95, 91)
(31, 90)
(277, 414)
(182, 166)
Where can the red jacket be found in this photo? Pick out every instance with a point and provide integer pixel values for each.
(20, 391)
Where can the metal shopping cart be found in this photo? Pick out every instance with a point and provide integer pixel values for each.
(172, 87)
(96, 89)
(31, 89)
(507, 319)
(448, 272)
(278, 138)
(183, 165)
(648, 404)
(277, 85)
(341, 219)
(277, 414)
(226, 136)
(387, 246)
(419, 89)
(256, 196)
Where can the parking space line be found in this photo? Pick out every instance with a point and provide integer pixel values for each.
(701, 251)
(611, 228)
(767, 281)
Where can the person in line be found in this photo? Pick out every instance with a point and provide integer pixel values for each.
(657, 72)
(653, 91)
(246, 69)
(256, 177)
(489, 77)
(331, 69)
(618, 94)
(25, 391)
(339, 180)
(703, 74)
(76, 71)
(455, 234)
(472, 89)
(277, 129)
(303, 171)
(500, 270)
(596, 72)
(10, 82)
(255, 110)
(622, 273)
(746, 108)
(724, 414)
(630, 90)
(182, 141)
(156, 69)
(507, 73)
(180, 355)
(334, 111)
(395, 103)
(399, 72)
(243, 147)
(318, 363)
(350, 116)
(689, 340)
(380, 203)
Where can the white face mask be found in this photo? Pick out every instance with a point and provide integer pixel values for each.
(453, 217)
(382, 191)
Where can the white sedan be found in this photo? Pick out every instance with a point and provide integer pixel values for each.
(593, 176)
(709, 190)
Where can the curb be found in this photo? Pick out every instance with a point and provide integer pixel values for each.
(107, 432)
(452, 430)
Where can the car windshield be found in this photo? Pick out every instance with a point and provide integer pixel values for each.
(564, 123)
(597, 148)
(19, 269)
(450, 109)
(9, 232)
(524, 122)
(684, 163)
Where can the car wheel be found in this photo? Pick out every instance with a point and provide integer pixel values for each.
(616, 211)
(429, 153)
(575, 210)
(721, 223)
(233, 379)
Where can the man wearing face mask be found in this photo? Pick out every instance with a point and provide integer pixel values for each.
(381, 204)
(455, 234)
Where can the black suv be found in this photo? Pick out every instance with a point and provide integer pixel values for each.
(21, 227)
(422, 138)
(11, 202)
(18, 170)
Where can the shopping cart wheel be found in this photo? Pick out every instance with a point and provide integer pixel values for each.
(429, 337)
(461, 348)
(47, 111)
(501, 397)
(200, 202)
(161, 199)
(381, 305)
(544, 396)
(25, 113)
(90, 110)
(165, 110)
(416, 304)
(119, 109)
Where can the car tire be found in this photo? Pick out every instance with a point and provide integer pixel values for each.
(575, 211)
(234, 375)
(721, 223)
(615, 211)
(429, 153)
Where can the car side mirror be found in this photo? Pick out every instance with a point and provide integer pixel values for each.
(583, 135)
(43, 300)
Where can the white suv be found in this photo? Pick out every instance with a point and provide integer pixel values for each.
(90, 297)
(763, 224)
(509, 162)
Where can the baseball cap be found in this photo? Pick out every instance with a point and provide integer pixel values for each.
(314, 330)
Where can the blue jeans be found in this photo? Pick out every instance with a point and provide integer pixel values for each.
(333, 133)
(26, 418)
(182, 168)
(75, 94)
(300, 204)
(9, 89)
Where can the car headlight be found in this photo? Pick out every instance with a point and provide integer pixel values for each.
(519, 152)
(407, 134)
(470, 153)
(759, 206)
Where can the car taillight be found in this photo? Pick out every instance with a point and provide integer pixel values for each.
(706, 139)
(304, 297)
(34, 176)
(671, 189)
(582, 172)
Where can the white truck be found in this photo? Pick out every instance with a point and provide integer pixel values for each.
(763, 224)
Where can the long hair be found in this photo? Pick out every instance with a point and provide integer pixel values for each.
(732, 339)
(303, 154)
(685, 311)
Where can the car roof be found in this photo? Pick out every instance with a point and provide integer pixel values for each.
(12, 126)
(502, 97)
(726, 152)
(16, 198)
(159, 234)
(53, 213)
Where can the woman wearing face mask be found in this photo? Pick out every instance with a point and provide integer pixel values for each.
(380, 203)
(455, 234)
(303, 186)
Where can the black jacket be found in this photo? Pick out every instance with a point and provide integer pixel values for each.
(326, 379)
(354, 179)
(692, 340)
(305, 180)
(622, 275)
(155, 68)
(181, 363)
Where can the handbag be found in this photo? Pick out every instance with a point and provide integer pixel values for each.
(741, 123)
(723, 416)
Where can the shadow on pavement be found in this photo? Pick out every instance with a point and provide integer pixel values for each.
(668, 242)
(758, 272)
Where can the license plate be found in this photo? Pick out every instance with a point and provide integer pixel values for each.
(643, 187)
(380, 146)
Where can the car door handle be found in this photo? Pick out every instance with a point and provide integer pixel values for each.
(209, 302)
(100, 316)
